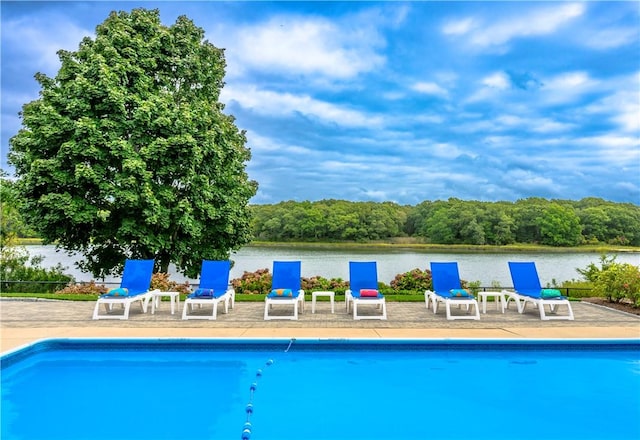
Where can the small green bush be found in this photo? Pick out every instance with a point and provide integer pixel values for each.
(318, 283)
(592, 271)
(615, 281)
(253, 283)
(473, 286)
(619, 282)
(415, 280)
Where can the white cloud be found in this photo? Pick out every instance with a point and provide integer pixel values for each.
(510, 120)
(631, 188)
(40, 39)
(304, 45)
(530, 181)
(568, 80)
(567, 86)
(621, 108)
(498, 80)
(286, 104)
(459, 27)
(628, 117)
(380, 196)
(261, 143)
(622, 105)
(538, 21)
(545, 125)
(492, 86)
(531, 123)
(430, 88)
(604, 152)
(445, 150)
(498, 141)
(604, 39)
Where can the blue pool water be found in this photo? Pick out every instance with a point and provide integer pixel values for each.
(324, 390)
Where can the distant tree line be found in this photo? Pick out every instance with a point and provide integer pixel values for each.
(533, 220)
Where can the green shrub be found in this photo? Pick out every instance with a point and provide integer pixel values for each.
(19, 273)
(612, 280)
(417, 280)
(591, 272)
(319, 283)
(578, 289)
(253, 283)
(473, 286)
(618, 282)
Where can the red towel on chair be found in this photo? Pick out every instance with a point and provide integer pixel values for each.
(368, 292)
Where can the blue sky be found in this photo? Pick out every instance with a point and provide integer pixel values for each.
(397, 101)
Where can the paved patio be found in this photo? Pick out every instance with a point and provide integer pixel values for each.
(25, 321)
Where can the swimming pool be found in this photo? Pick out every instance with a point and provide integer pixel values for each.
(322, 389)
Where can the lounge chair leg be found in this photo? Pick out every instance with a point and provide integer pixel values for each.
(543, 316)
(185, 311)
(145, 303)
(127, 306)
(570, 311)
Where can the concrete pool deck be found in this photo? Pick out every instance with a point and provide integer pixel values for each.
(25, 321)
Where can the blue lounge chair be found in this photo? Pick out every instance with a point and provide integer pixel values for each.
(213, 290)
(285, 289)
(447, 290)
(527, 289)
(134, 287)
(363, 289)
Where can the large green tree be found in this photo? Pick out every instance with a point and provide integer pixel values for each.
(127, 152)
(559, 226)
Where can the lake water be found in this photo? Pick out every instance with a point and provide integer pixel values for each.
(488, 268)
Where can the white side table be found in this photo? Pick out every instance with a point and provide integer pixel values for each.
(314, 295)
(174, 299)
(498, 297)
